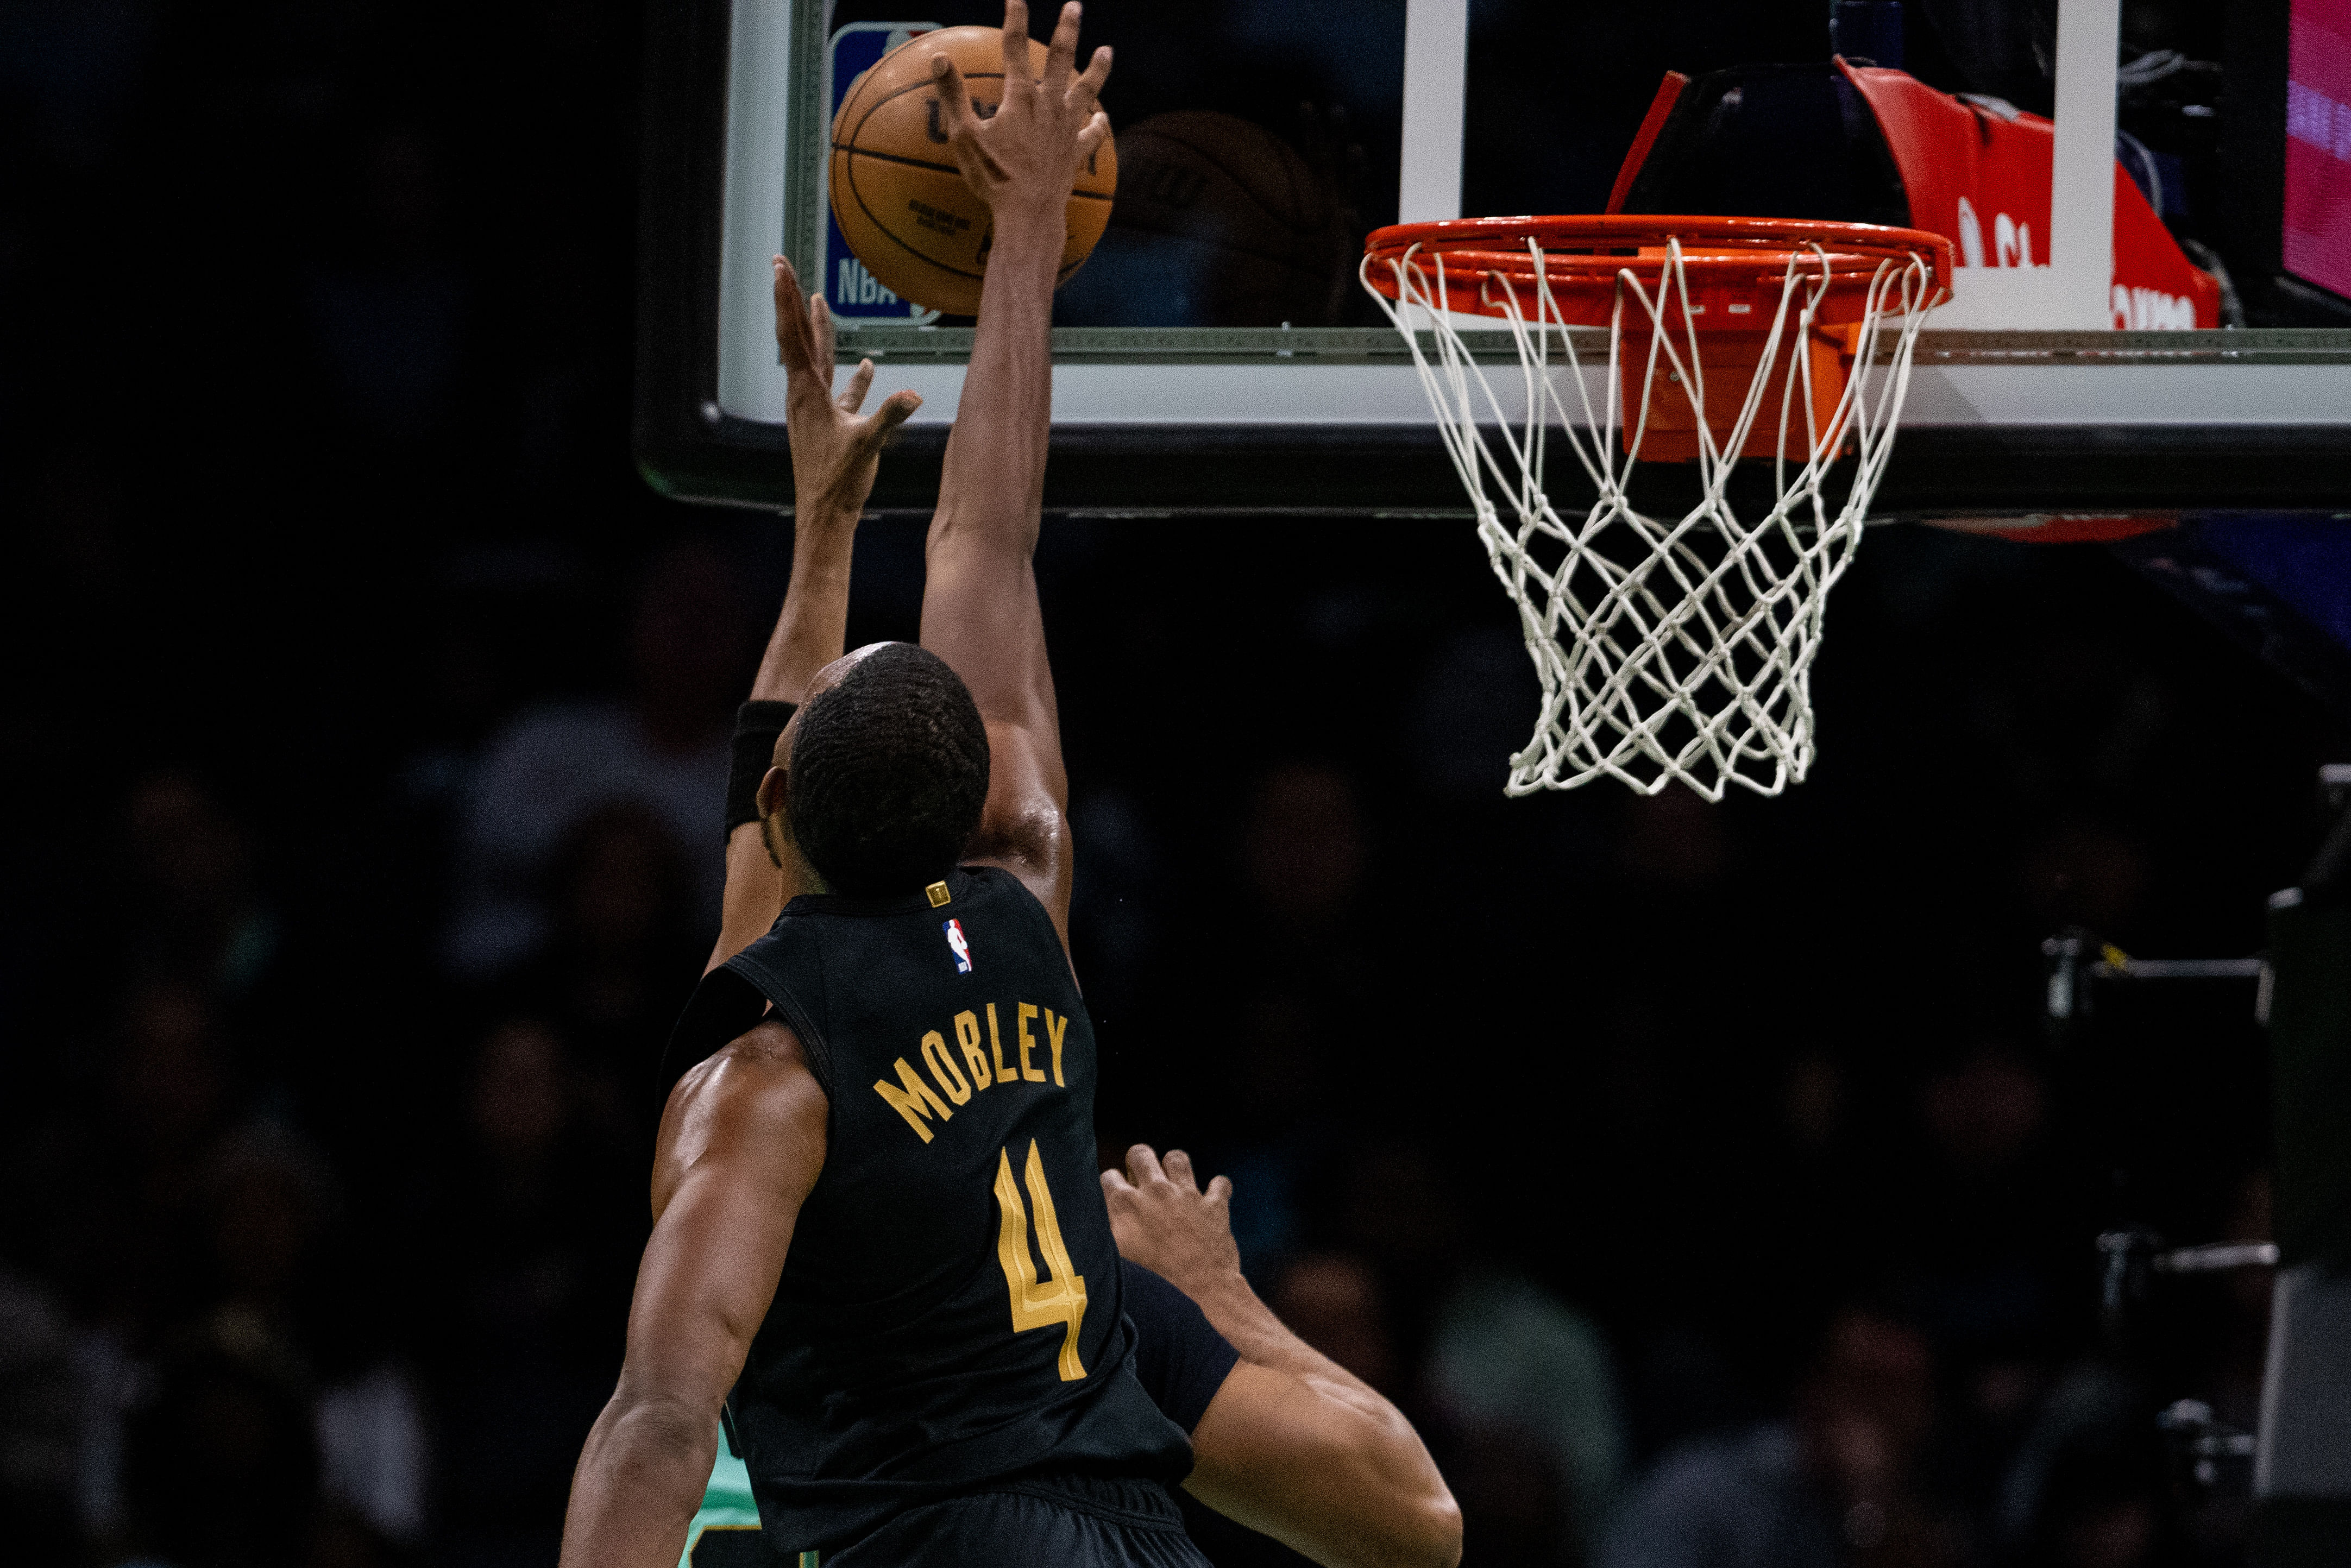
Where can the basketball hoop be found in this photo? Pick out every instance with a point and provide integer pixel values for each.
(1668, 650)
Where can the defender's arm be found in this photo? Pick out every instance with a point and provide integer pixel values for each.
(835, 453)
(979, 597)
(742, 1140)
(1293, 1445)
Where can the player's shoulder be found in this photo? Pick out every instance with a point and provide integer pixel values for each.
(762, 1074)
(752, 1110)
(724, 1005)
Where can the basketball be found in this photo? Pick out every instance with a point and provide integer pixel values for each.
(899, 200)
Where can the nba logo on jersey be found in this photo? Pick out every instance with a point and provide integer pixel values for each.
(962, 948)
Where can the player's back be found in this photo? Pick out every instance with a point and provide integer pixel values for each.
(949, 1318)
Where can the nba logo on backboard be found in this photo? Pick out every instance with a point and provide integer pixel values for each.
(853, 293)
(959, 946)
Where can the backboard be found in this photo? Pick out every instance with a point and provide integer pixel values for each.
(1216, 355)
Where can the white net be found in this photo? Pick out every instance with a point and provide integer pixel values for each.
(1670, 648)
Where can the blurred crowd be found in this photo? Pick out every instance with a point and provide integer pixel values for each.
(1702, 1179)
(1705, 1181)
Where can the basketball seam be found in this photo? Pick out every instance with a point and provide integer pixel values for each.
(912, 87)
(884, 229)
(855, 152)
(1075, 194)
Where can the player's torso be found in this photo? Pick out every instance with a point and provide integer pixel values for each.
(948, 1315)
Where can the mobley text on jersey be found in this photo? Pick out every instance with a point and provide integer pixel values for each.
(913, 1097)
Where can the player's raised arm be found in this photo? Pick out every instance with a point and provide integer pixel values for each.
(835, 451)
(979, 602)
(742, 1142)
(1292, 1445)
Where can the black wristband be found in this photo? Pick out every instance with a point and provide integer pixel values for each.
(756, 725)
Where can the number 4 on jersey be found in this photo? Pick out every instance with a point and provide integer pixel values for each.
(1036, 1305)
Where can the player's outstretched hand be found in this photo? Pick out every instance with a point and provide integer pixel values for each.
(1164, 1221)
(835, 450)
(1022, 159)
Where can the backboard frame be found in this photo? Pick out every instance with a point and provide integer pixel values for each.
(1988, 429)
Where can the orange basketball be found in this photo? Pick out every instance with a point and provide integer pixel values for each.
(899, 200)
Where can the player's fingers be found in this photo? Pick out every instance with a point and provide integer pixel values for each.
(1089, 85)
(1115, 1185)
(1220, 1190)
(820, 337)
(1091, 138)
(1143, 1165)
(1179, 1170)
(1061, 54)
(791, 345)
(1016, 47)
(954, 99)
(860, 381)
(895, 410)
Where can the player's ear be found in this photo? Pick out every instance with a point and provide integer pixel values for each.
(774, 790)
(770, 799)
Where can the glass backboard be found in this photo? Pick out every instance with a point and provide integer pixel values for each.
(1216, 353)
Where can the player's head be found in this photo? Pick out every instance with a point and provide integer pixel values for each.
(886, 764)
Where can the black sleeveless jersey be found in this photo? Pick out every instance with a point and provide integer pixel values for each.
(949, 1317)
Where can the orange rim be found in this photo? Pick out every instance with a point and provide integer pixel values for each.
(1735, 268)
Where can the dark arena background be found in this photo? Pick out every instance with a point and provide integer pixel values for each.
(364, 743)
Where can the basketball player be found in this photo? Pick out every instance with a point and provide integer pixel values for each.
(1282, 1438)
(902, 1390)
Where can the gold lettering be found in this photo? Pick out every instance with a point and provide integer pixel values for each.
(1027, 1042)
(1035, 1303)
(1056, 1030)
(996, 1048)
(967, 1039)
(942, 1067)
(908, 1102)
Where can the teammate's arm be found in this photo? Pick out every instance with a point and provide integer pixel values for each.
(979, 600)
(1292, 1445)
(742, 1140)
(835, 451)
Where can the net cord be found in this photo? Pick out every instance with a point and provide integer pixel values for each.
(1723, 646)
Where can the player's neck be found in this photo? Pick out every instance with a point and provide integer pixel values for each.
(798, 875)
(801, 876)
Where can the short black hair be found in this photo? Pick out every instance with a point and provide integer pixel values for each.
(889, 771)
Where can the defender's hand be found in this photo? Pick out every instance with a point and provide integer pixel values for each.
(1022, 159)
(1162, 1221)
(834, 451)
